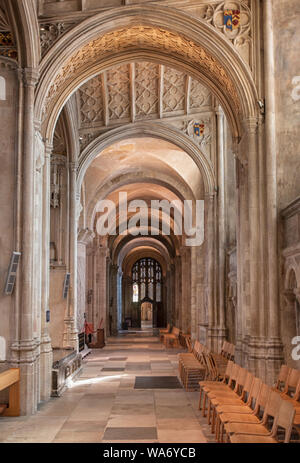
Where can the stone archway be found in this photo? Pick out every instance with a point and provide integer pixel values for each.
(75, 58)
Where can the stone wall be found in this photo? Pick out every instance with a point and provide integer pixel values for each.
(287, 74)
(8, 157)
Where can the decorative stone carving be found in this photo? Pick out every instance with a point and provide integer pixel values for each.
(146, 87)
(174, 90)
(50, 32)
(199, 95)
(118, 87)
(86, 138)
(58, 162)
(131, 39)
(187, 127)
(91, 101)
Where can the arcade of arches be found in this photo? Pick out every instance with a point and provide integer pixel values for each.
(152, 101)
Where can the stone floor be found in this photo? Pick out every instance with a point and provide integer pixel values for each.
(119, 397)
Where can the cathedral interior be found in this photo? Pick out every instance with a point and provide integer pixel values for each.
(107, 102)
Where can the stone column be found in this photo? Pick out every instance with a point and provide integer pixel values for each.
(254, 242)
(221, 228)
(71, 332)
(114, 298)
(178, 293)
(275, 349)
(24, 352)
(83, 239)
(185, 308)
(193, 331)
(46, 349)
(119, 298)
(243, 295)
(212, 332)
(101, 269)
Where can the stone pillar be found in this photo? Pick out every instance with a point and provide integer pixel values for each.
(212, 331)
(71, 332)
(178, 293)
(220, 220)
(275, 348)
(101, 308)
(243, 295)
(193, 331)
(46, 349)
(24, 351)
(119, 299)
(113, 299)
(254, 243)
(83, 239)
(185, 308)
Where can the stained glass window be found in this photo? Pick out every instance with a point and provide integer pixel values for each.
(147, 278)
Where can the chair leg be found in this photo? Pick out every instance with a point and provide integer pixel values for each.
(204, 405)
(200, 397)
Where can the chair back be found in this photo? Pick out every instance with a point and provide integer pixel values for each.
(284, 419)
(292, 382)
(282, 377)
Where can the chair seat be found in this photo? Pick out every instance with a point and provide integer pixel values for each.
(245, 439)
(238, 418)
(246, 428)
(234, 408)
(226, 401)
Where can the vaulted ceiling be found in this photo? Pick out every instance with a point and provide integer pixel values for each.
(141, 91)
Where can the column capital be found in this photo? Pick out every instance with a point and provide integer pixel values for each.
(30, 77)
(251, 124)
(210, 196)
(73, 166)
(85, 236)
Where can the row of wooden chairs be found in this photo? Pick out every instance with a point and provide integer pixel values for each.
(228, 350)
(199, 363)
(241, 406)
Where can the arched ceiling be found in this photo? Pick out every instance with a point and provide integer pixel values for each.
(141, 91)
(144, 157)
(149, 160)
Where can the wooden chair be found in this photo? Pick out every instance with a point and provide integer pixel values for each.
(271, 411)
(163, 331)
(249, 396)
(212, 390)
(208, 385)
(291, 383)
(231, 351)
(172, 339)
(282, 378)
(284, 419)
(229, 397)
(193, 373)
(254, 416)
(224, 349)
(11, 379)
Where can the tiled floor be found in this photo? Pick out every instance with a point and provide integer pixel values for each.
(103, 405)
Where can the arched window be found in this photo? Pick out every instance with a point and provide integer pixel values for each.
(2, 89)
(146, 280)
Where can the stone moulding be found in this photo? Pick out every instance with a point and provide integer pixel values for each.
(219, 65)
(142, 37)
